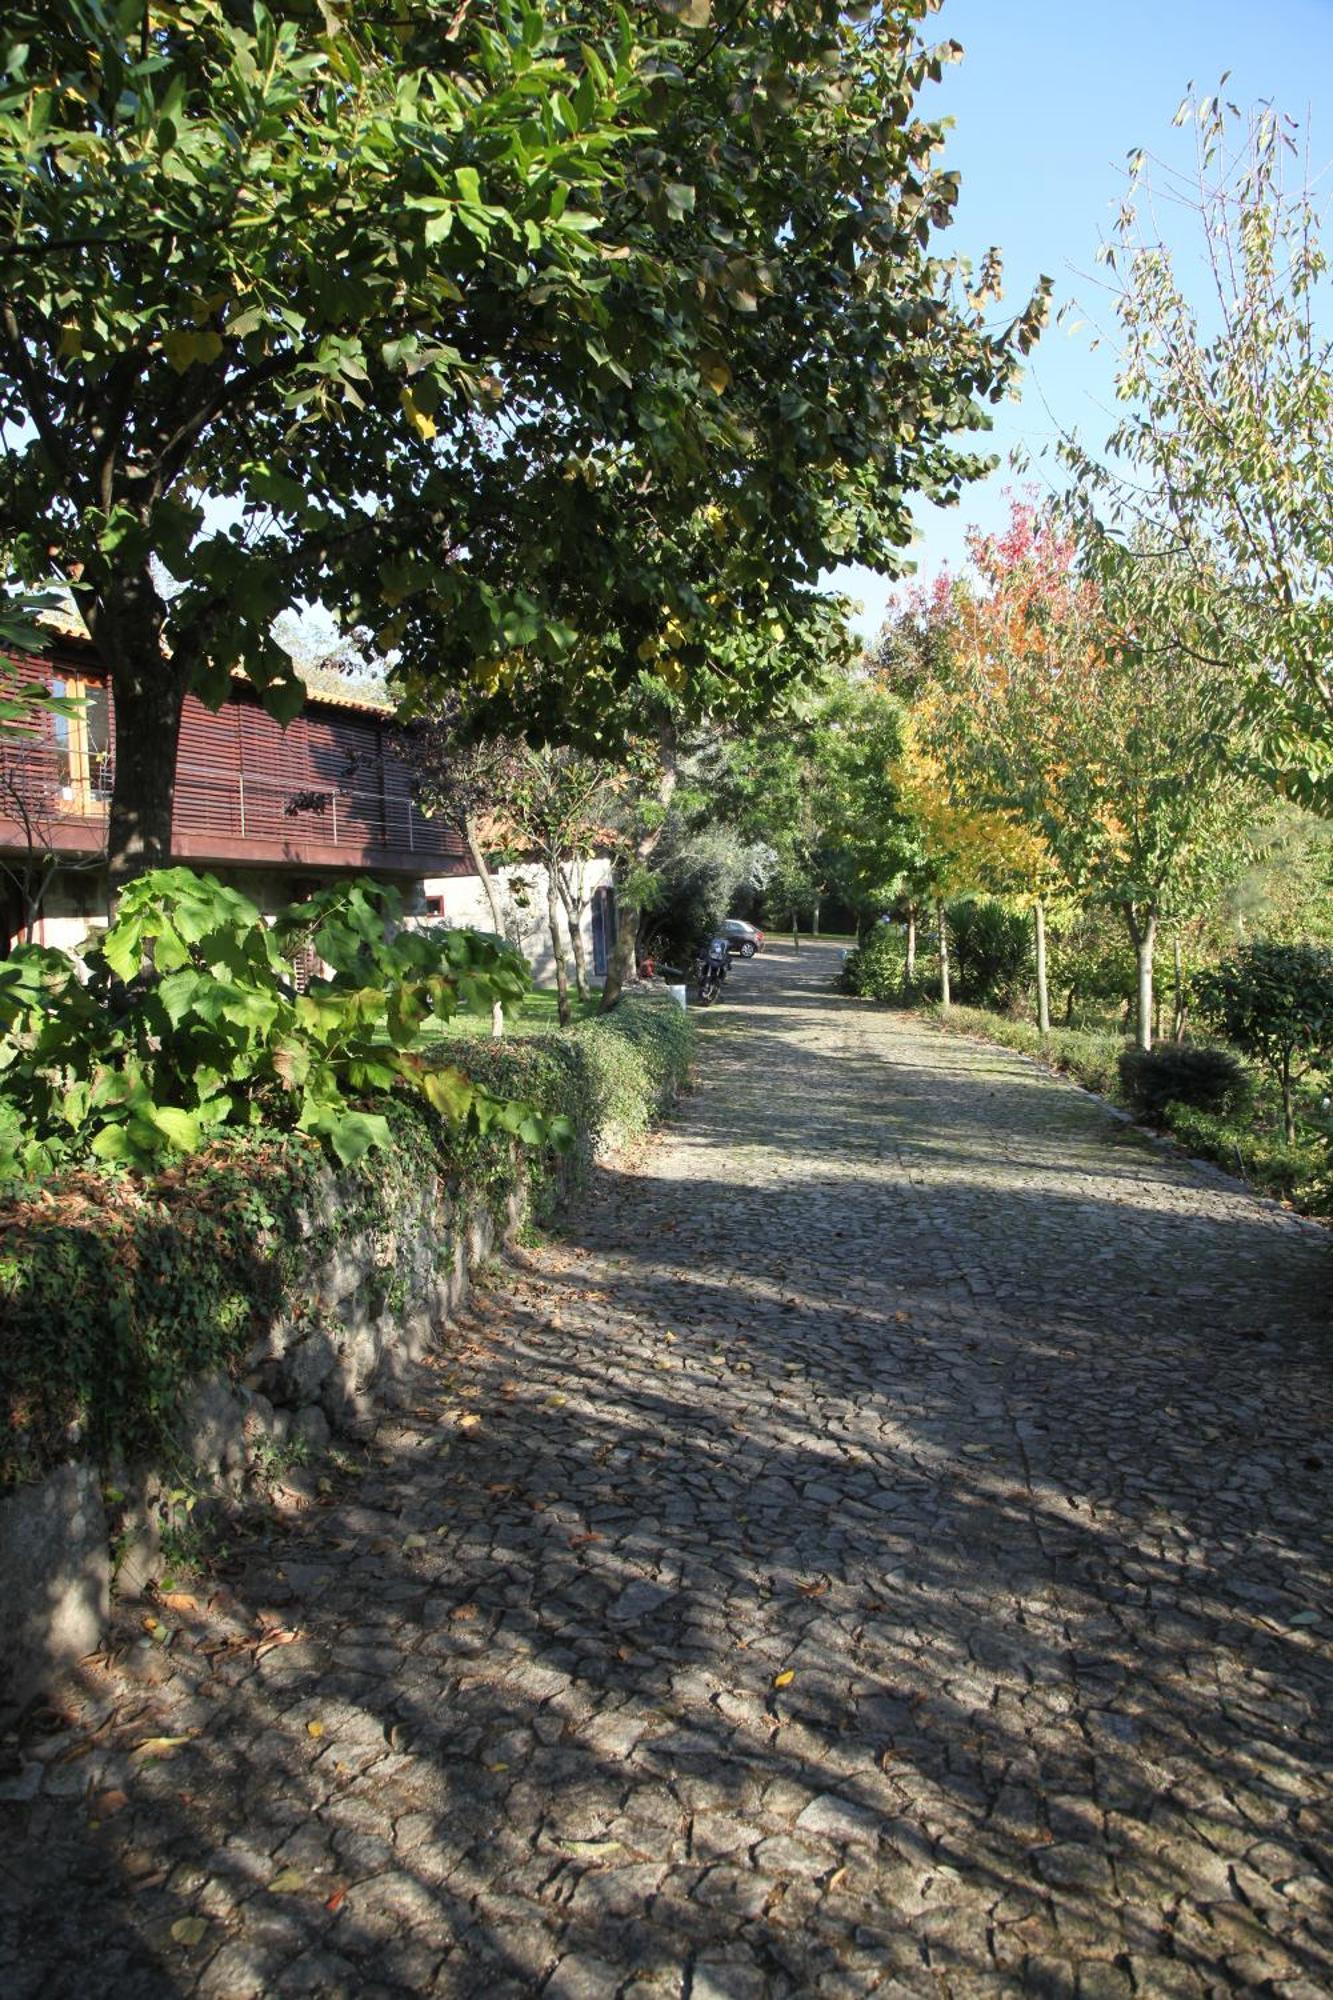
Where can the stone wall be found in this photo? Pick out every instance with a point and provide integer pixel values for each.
(354, 1320)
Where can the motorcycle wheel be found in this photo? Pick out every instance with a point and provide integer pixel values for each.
(707, 993)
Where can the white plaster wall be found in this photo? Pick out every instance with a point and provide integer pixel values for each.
(523, 901)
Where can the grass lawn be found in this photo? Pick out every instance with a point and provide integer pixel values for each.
(537, 1016)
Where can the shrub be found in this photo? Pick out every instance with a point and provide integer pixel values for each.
(1275, 1001)
(1181, 1073)
(992, 951)
(1297, 1173)
(1090, 1059)
(117, 1287)
(876, 970)
(184, 1020)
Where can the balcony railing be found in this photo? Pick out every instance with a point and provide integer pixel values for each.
(275, 814)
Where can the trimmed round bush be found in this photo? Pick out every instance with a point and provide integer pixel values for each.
(1206, 1079)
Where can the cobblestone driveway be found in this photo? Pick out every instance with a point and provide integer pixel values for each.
(884, 1548)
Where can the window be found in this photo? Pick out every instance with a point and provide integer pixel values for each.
(83, 746)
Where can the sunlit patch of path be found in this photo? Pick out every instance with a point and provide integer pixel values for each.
(893, 1556)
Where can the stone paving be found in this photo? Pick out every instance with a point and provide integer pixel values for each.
(883, 1547)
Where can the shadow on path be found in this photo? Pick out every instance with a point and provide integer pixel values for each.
(882, 1546)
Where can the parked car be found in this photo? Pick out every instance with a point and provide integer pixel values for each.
(742, 937)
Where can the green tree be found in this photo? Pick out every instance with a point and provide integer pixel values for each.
(1213, 500)
(557, 804)
(258, 256)
(1275, 1001)
(1123, 756)
(560, 351)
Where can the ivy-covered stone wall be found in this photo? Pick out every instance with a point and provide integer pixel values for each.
(184, 1324)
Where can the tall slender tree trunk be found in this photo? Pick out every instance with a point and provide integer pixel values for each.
(1043, 990)
(946, 997)
(909, 976)
(795, 932)
(557, 946)
(1143, 934)
(149, 693)
(621, 960)
(1178, 1008)
(476, 854)
(574, 919)
(814, 922)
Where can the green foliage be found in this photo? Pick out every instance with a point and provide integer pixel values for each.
(1089, 1059)
(1091, 965)
(992, 951)
(689, 275)
(183, 1020)
(1185, 1073)
(609, 1077)
(1211, 497)
(699, 872)
(877, 969)
(1297, 1171)
(116, 1291)
(113, 1293)
(1275, 1001)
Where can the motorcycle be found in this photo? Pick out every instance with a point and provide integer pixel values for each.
(710, 969)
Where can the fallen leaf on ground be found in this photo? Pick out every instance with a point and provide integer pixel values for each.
(158, 1746)
(785, 1678)
(285, 1881)
(314, 1728)
(189, 1930)
(336, 1900)
(577, 1541)
(179, 1600)
(109, 1803)
(464, 1611)
(285, 1637)
(414, 1541)
(591, 1850)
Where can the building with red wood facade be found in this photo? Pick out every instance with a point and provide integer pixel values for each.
(276, 811)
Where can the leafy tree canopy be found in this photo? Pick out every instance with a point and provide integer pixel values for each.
(560, 348)
(1211, 505)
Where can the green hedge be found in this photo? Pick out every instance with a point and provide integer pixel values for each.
(1089, 1058)
(1301, 1174)
(116, 1288)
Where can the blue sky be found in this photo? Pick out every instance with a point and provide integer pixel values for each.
(1048, 102)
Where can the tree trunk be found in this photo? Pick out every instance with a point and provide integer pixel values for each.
(557, 948)
(472, 840)
(481, 867)
(1144, 936)
(1288, 1112)
(149, 692)
(1178, 1010)
(946, 997)
(1043, 990)
(620, 961)
(573, 917)
(814, 923)
(795, 932)
(909, 977)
